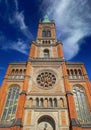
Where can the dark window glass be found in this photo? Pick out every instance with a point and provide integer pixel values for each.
(81, 105)
(11, 103)
(46, 33)
(43, 33)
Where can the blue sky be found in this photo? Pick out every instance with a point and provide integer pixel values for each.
(18, 27)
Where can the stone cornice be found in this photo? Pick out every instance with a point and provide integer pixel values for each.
(69, 93)
(74, 63)
(51, 22)
(46, 59)
(86, 125)
(46, 94)
(14, 80)
(46, 109)
(23, 92)
(77, 80)
(44, 45)
(17, 63)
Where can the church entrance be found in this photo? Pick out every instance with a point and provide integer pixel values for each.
(46, 123)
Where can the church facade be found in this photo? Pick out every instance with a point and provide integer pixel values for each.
(46, 92)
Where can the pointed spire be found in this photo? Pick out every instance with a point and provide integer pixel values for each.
(46, 19)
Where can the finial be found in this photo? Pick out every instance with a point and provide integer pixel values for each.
(46, 19)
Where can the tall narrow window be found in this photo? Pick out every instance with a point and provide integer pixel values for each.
(46, 33)
(46, 53)
(43, 33)
(41, 102)
(81, 105)
(37, 102)
(55, 102)
(11, 103)
(50, 102)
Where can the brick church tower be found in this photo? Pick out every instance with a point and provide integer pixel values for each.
(46, 92)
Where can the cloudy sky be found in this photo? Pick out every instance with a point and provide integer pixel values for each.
(19, 22)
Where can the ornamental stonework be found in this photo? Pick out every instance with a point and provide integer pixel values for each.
(46, 79)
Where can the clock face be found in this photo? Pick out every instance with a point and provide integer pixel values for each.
(46, 79)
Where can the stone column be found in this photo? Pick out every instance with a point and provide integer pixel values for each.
(46, 103)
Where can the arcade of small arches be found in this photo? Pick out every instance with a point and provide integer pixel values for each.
(75, 74)
(46, 42)
(17, 74)
(46, 102)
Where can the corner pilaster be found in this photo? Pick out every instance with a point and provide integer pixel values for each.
(74, 125)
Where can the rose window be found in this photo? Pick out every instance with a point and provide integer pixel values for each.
(46, 79)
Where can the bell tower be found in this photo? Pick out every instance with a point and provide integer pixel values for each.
(46, 98)
(46, 44)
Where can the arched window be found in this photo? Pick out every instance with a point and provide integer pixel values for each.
(50, 102)
(68, 72)
(13, 71)
(41, 102)
(81, 104)
(55, 102)
(75, 74)
(46, 33)
(79, 72)
(21, 71)
(17, 71)
(37, 102)
(43, 33)
(24, 71)
(46, 53)
(11, 103)
(71, 72)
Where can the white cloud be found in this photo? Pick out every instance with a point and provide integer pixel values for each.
(19, 45)
(16, 4)
(18, 20)
(73, 22)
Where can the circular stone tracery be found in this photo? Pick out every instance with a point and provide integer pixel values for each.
(46, 79)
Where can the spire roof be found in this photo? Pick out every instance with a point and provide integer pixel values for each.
(46, 19)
